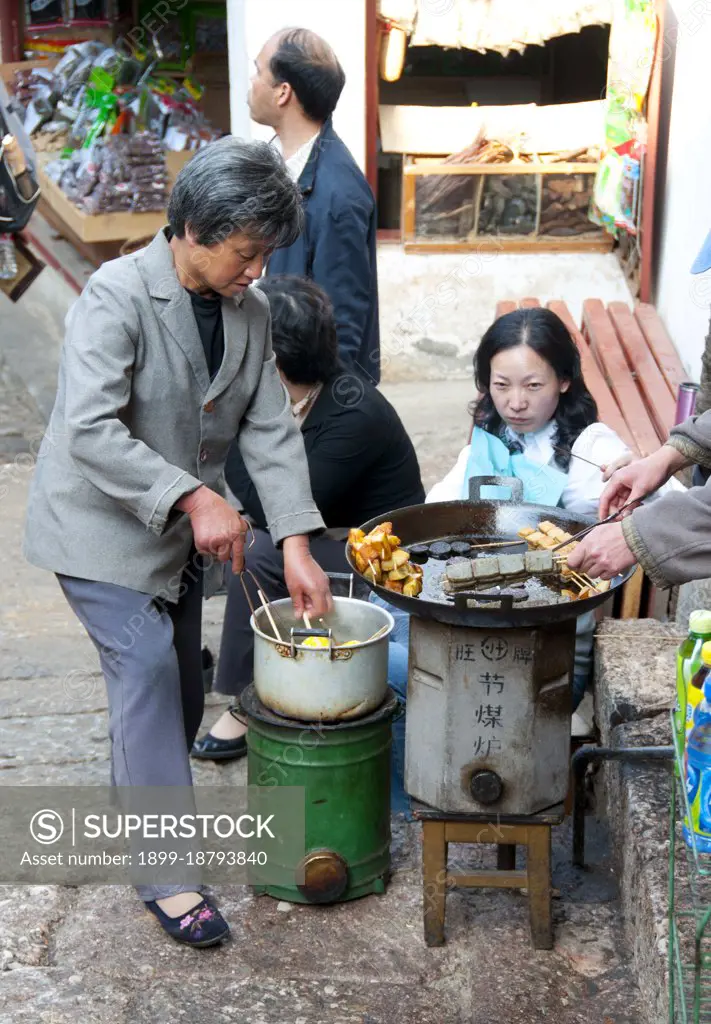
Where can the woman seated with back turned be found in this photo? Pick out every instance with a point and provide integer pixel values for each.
(361, 462)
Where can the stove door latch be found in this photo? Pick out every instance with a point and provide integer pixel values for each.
(486, 786)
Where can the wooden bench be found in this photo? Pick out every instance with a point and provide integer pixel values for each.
(633, 372)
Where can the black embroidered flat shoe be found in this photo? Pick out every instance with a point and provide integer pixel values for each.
(209, 748)
(202, 926)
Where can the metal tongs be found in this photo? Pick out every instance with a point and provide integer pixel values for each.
(265, 602)
(589, 529)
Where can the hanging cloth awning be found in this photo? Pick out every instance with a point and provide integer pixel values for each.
(500, 25)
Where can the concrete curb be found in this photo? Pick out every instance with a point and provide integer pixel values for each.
(634, 690)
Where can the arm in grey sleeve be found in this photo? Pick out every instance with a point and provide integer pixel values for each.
(99, 355)
(703, 400)
(693, 439)
(671, 537)
(273, 451)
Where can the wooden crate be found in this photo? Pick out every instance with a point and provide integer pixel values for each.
(102, 227)
(474, 235)
(107, 227)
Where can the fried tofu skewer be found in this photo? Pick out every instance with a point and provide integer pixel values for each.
(548, 536)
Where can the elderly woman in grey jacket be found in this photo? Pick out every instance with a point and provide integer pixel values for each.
(167, 357)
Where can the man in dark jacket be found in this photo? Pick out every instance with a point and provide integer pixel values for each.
(295, 89)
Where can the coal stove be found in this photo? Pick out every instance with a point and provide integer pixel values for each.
(488, 716)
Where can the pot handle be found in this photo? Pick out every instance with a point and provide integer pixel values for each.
(312, 632)
(505, 601)
(514, 485)
(343, 576)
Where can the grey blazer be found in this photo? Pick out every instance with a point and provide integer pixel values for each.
(137, 424)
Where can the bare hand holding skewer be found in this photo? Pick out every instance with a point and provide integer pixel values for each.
(603, 554)
(641, 478)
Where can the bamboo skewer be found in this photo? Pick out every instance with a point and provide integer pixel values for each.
(307, 621)
(267, 609)
(666, 637)
(378, 633)
(500, 544)
(567, 451)
(579, 581)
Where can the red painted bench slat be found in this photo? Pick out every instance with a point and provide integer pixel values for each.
(504, 307)
(607, 349)
(644, 368)
(662, 347)
(607, 408)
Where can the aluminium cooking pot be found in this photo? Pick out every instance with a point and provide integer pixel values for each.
(322, 684)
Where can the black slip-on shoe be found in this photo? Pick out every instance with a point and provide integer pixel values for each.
(210, 748)
(202, 926)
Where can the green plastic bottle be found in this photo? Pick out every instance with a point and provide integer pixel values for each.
(688, 661)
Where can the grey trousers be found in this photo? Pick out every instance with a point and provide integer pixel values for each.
(150, 657)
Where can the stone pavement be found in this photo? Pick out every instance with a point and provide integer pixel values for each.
(94, 956)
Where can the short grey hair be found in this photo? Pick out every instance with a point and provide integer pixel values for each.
(232, 185)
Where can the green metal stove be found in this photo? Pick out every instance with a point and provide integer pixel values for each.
(344, 769)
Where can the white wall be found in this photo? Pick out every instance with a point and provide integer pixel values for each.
(340, 22)
(684, 300)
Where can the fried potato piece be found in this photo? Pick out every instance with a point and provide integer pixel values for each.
(570, 594)
(400, 557)
(369, 551)
(386, 527)
(526, 532)
(355, 536)
(360, 562)
(377, 540)
(546, 526)
(398, 574)
(387, 564)
(372, 571)
(394, 542)
(394, 585)
(602, 586)
(413, 587)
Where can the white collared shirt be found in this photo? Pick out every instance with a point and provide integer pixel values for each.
(585, 485)
(297, 161)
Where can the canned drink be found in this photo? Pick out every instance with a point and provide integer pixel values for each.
(686, 401)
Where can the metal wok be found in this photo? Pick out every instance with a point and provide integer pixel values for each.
(485, 520)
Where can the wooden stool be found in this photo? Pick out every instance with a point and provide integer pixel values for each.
(532, 831)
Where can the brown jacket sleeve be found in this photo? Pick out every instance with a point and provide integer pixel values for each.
(703, 399)
(693, 439)
(671, 538)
